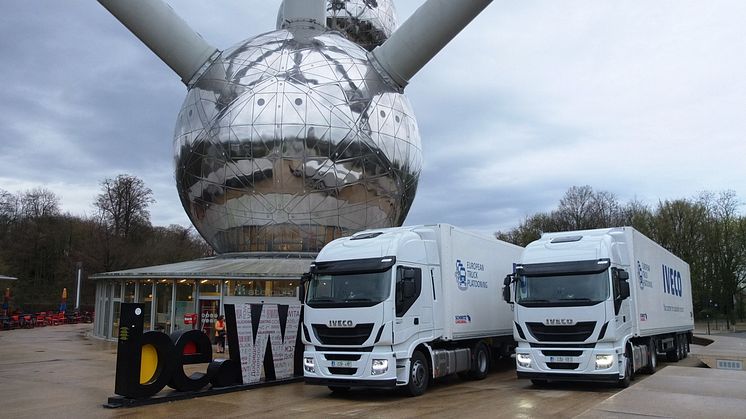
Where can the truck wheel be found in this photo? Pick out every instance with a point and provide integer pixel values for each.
(419, 375)
(682, 339)
(652, 357)
(339, 389)
(480, 362)
(685, 345)
(673, 354)
(624, 382)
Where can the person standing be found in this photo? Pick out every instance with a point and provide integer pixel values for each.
(220, 334)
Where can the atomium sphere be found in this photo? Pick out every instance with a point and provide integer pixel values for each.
(305, 144)
(368, 23)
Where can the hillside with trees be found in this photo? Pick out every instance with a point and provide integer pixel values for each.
(41, 246)
(706, 231)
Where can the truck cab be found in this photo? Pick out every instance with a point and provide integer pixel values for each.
(399, 307)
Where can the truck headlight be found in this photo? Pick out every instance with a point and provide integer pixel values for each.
(524, 360)
(380, 366)
(308, 364)
(604, 361)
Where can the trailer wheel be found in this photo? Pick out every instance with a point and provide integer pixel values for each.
(673, 354)
(652, 357)
(628, 371)
(419, 375)
(682, 347)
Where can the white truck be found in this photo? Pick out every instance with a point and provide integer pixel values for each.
(598, 305)
(398, 307)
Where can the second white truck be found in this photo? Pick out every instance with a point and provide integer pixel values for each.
(398, 307)
(598, 305)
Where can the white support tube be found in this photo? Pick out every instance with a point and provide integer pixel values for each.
(423, 35)
(77, 292)
(165, 33)
(309, 11)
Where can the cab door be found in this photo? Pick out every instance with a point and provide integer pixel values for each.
(411, 308)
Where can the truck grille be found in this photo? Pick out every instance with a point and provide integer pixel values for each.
(342, 371)
(562, 366)
(577, 333)
(343, 335)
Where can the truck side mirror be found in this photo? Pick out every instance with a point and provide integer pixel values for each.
(302, 287)
(506, 288)
(624, 289)
(622, 275)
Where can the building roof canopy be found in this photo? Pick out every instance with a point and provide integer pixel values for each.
(227, 266)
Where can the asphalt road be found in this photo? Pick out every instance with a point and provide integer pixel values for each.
(58, 372)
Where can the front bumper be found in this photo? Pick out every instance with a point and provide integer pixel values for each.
(554, 376)
(355, 372)
(569, 364)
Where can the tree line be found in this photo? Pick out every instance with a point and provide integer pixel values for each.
(706, 231)
(42, 246)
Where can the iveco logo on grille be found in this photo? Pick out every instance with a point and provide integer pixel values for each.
(559, 322)
(340, 323)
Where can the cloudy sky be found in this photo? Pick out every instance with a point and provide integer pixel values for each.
(645, 99)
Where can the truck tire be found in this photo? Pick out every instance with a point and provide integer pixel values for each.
(652, 357)
(685, 345)
(339, 389)
(480, 362)
(682, 347)
(419, 375)
(673, 354)
(628, 371)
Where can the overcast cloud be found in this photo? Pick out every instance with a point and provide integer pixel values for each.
(643, 99)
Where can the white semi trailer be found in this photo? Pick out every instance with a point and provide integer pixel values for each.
(398, 307)
(598, 305)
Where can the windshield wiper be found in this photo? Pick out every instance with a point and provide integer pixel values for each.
(321, 300)
(575, 299)
(358, 299)
(534, 300)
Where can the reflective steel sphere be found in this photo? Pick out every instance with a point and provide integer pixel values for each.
(368, 23)
(304, 143)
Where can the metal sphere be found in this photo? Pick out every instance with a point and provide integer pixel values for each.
(368, 23)
(303, 144)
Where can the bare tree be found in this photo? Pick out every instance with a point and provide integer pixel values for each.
(123, 203)
(576, 207)
(39, 202)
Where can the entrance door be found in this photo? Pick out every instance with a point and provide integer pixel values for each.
(208, 313)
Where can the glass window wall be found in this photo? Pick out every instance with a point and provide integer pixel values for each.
(163, 296)
(185, 303)
(209, 288)
(129, 291)
(145, 297)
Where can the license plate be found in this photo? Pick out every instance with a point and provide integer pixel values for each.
(341, 364)
(562, 359)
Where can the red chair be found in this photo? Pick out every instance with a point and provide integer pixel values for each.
(41, 319)
(58, 319)
(15, 322)
(28, 321)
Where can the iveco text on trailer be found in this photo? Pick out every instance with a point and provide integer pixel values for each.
(598, 305)
(398, 307)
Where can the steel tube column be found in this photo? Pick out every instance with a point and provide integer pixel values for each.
(423, 35)
(310, 11)
(165, 33)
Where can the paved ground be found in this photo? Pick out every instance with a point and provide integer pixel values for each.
(59, 372)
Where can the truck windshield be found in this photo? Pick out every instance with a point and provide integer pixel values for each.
(562, 290)
(354, 290)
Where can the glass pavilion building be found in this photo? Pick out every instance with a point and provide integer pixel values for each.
(191, 294)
